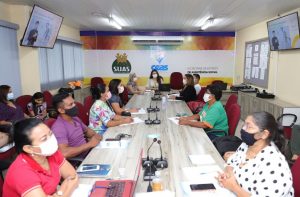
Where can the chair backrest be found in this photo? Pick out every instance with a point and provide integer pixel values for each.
(201, 94)
(195, 106)
(82, 113)
(216, 82)
(233, 99)
(49, 122)
(87, 104)
(48, 98)
(1, 185)
(296, 177)
(95, 81)
(176, 81)
(124, 96)
(233, 115)
(22, 101)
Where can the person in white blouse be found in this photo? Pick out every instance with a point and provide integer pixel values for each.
(154, 80)
(258, 168)
(196, 82)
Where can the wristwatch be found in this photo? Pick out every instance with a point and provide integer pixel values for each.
(59, 193)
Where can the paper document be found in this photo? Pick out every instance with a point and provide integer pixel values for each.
(136, 120)
(113, 144)
(174, 120)
(195, 173)
(83, 190)
(201, 159)
(141, 111)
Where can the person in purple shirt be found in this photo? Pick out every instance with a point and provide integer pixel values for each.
(9, 111)
(70, 131)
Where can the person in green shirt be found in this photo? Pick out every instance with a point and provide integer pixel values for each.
(212, 118)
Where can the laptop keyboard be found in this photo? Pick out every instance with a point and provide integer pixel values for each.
(116, 189)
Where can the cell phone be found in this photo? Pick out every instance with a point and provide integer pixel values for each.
(87, 168)
(112, 139)
(199, 187)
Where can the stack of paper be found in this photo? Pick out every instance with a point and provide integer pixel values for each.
(141, 111)
(201, 159)
(136, 120)
(83, 190)
(175, 120)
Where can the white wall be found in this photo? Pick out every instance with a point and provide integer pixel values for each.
(284, 68)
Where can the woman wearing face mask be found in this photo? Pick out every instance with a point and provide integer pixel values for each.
(212, 117)
(258, 168)
(9, 111)
(154, 80)
(132, 85)
(188, 92)
(101, 114)
(37, 107)
(116, 88)
(38, 169)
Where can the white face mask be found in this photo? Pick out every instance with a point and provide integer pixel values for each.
(121, 89)
(135, 79)
(184, 81)
(154, 75)
(206, 97)
(10, 96)
(48, 147)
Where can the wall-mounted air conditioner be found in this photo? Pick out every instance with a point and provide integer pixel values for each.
(157, 40)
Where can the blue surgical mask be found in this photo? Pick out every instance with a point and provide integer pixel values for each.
(10, 96)
(248, 138)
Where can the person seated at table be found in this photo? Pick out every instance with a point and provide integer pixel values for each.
(70, 131)
(212, 118)
(188, 92)
(101, 114)
(9, 111)
(37, 107)
(154, 80)
(258, 168)
(196, 82)
(116, 88)
(39, 166)
(132, 86)
(6, 144)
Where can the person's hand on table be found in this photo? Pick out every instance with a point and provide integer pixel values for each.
(134, 110)
(127, 120)
(227, 155)
(183, 121)
(227, 179)
(98, 136)
(94, 141)
(172, 97)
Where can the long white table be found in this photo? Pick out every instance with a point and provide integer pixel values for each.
(177, 143)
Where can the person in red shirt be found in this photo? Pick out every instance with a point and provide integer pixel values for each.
(39, 166)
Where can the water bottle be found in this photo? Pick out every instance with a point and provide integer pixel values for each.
(157, 183)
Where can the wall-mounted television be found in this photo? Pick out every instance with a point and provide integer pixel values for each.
(284, 32)
(42, 28)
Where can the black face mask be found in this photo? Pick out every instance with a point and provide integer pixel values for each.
(248, 138)
(72, 112)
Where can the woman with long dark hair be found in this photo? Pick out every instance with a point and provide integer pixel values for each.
(116, 88)
(154, 80)
(188, 93)
(102, 115)
(258, 168)
(9, 111)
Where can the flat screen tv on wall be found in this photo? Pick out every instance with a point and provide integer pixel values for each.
(284, 32)
(42, 28)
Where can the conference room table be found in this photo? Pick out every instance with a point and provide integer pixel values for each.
(178, 142)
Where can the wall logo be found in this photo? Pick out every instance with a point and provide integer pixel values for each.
(121, 64)
(158, 54)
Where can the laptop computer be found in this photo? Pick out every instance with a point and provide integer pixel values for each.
(164, 87)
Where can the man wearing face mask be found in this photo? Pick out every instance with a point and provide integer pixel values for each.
(70, 131)
(212, 118)
(39, 166)
(116, 88)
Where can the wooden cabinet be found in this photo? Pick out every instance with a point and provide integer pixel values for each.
(250, 103)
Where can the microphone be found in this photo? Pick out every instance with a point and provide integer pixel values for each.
(156, 121)
(150, 109)
(154, 140)
(161, 163)
(156, 108)
(148, 121)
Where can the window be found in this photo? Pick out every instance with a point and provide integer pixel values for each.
(60, 65)
(9, 56)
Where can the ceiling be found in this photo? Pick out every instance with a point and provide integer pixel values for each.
(167, 15)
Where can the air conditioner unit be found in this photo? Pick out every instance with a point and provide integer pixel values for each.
(157, 40)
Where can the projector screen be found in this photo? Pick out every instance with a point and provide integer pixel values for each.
(284, 33)
(42, 28)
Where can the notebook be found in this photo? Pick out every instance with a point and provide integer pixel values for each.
(94, 170)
